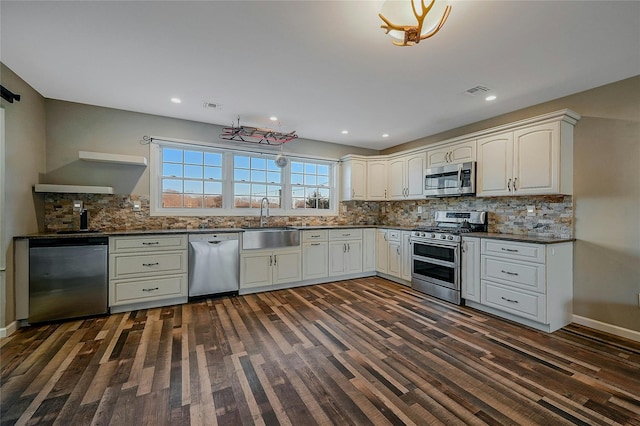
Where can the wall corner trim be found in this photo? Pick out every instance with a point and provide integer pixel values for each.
(607, 328)
(8, 330)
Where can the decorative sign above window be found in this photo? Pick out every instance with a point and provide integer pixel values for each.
(256, 135)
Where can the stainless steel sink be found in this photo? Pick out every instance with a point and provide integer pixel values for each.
(269, 238)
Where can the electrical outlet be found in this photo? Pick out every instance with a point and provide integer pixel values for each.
(344, 209)
(531, 210)
(137, 206)
(419, 209)
(77, 205)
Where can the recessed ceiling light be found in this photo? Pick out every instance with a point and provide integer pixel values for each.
(385, 135)
(176, 100)
(490, 98)
(273, 118)
(345, 132)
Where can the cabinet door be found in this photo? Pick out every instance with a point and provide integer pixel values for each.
(255, 269)
(315, 260)
(406, 256)
(377, 180)
(397, 182)
(369, 249)
(463, 152)
(354, 180)
(286, 267)
(353, 257)
(495, 165)
(536, 152)
(415, 176)
(395, 262)
(470, 269)
(337, 259)
(438, 157)
(382, 251)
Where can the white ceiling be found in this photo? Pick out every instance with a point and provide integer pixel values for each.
(319, 66)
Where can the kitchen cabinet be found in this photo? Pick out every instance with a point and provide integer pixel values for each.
(315, 254)
(527, 283)
(353, 178)
(406, 176)
(394, 265)
(532, 160)
(406, 256)
(260, 268)
(459, 152)
(345, 252)
(369, 249)
(382, 251)
(470, 269)
(377, 179)
(147, 271)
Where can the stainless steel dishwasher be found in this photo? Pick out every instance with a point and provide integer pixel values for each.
(214, 262)
(68, 278)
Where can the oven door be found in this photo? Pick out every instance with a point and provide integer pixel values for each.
(436, 263)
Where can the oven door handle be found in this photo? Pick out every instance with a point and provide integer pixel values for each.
(434, 261)
(436, 243)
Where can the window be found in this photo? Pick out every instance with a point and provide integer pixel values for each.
(310, 185)
(255, 178)
(190, 180)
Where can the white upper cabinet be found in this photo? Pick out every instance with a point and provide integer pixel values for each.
(354, 179)
(377, 180)
(406, 176)
(532, 160)
(459, 152)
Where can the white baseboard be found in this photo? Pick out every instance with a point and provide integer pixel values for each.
(607, 328)
(8, 330)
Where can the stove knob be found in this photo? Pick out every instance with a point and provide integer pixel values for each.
(422, 234)
(444, 237)
(450, 237)
(433, 235)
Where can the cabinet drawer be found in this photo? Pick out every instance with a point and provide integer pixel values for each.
(394, 235)
(147, 243)
(514, 250)
(517, 302)
(345, 234)
(527, 275)
(126, 292)
(123, 266)
(317, 235)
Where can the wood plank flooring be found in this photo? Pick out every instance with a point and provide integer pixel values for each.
(358, 352)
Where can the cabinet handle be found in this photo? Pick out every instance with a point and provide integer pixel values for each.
(270, 260)
(346, 235)
(508, 300)
(348, 247)
(150, 244)
(275, 260)
(509, 273)
(150, 289)
(315, 236)
(385, 193)
(150, 264)
(515, 181)
(344, 247)
(398, 250)
(464, 247)
(315, 244)
(509, 185)
(509, 250)
(353, 192)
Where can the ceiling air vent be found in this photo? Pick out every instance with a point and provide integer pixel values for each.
(212, 105)
(477, 90)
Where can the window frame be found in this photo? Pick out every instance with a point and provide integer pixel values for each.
(228, 209)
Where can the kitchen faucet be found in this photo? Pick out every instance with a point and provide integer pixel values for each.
(263, 218)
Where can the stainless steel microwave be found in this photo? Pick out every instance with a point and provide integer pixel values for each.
(451, 180)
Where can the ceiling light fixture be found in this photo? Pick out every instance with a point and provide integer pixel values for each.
(345, 132)
(385, 135)
(490, 98)
(176, 100)
(403, 14)
(273, 118)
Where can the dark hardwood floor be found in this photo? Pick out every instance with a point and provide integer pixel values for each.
(357, 352)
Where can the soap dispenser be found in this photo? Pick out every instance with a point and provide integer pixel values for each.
(84, 220)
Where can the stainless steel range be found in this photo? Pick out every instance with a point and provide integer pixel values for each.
(435, 260)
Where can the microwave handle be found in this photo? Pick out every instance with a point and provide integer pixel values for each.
(460, 175)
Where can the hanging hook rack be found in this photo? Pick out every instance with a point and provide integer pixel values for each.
(256, 135)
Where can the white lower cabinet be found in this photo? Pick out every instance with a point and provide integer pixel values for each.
(315, 254)
(525, 282)
(406, 256)
(259, 268)
(345, 257)
(369, 249)
(382, 251)
(470, 269)
(147, 271)
(394, 266)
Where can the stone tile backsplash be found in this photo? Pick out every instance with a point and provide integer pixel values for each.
(553, 216)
